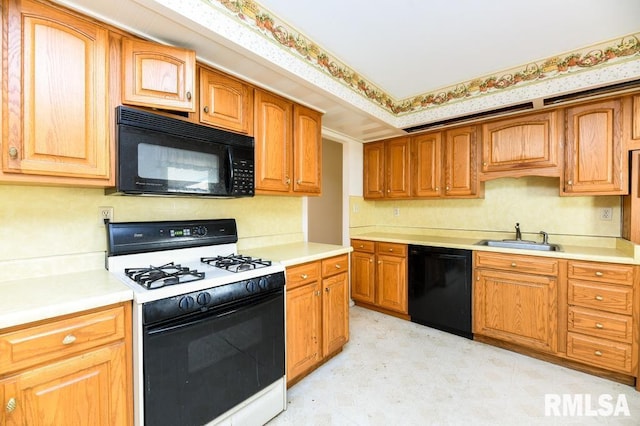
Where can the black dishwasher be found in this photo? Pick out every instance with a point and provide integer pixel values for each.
(440, 288)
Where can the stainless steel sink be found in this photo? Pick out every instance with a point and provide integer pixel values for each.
(520, 244)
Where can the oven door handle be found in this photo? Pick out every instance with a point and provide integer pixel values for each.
(209, 314)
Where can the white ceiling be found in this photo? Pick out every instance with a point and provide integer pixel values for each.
(412, 47)
(405, 47)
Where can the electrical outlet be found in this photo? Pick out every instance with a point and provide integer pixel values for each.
(396, 211)
(606, 213)
(356, 208)
(105, 214)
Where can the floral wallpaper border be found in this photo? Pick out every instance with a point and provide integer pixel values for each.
(250, 13)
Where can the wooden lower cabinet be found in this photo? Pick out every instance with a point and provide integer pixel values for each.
(379, 276)
(517, 305)
(317, 314)
(70, 371)
(603, 319)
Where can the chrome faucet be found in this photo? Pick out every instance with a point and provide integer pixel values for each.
(545, 237)
(518, 233)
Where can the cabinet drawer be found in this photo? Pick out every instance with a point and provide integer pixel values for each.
(599, 352)
(392, 249)
(363, 245)
(335, 265)
(602, 272)
(33, 345)
(611, 298)
(601, 324)
(302, 274)
(512, 262)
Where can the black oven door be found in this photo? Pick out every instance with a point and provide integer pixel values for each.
(197, 368)
(153, 162)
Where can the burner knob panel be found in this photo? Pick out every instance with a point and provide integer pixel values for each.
(186, 303)
(251, 286)
(200, 231)
(263, 283)
(203, 298)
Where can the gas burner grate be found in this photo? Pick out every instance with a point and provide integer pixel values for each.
(159, 276)
(236, 262)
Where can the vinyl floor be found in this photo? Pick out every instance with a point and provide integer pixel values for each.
(394, 372)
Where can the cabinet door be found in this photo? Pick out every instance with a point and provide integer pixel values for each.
(391, 283)
(373, 162)
(158, 76)
(335, 313)
(398, 164)
(520, 143)
(426, 163)
(304, 316)
(225, 102)
(517, 308)
(273, 140)
(594, 153)
(631, 121)
(307, 150)
(461, 158)
(57, 94)
(363, 277)
(90, 389)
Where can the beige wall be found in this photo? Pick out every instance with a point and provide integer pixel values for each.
(325, 211)
(62, 226)
(532, 201)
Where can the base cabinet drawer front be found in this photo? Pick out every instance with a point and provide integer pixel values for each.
(335, 265)
(517, 263)
(602, 272)
(601, 324)
(392, 249)
(302, 274)
(364, 246)
(33, 345)
(600, 352)
(610, 298)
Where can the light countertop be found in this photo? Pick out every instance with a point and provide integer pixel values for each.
(34, 299)
(622, 253)
(296, 253)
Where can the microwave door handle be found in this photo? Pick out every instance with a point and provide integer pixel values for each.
(229, 172)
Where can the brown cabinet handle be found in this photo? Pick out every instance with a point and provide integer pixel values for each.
(304, 276)
(326, 289)
(68, 339)
(599, 298)
(514, 264)
(338, 266)
(188, 96)
(599, 274)
(597, 353)
(206, 109)
(600, 326)
(13, 152)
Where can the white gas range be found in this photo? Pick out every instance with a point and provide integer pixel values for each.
(208, 323)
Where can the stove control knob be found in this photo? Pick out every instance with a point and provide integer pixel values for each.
(263, 283)
(200, 231)
(203, 298)
(186, 303)
(251, 286)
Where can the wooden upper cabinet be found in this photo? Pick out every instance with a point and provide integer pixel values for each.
(397, 160)
(631, 121)
(307, 150)
(56, 127)
(225, 102)
(521, 146)
(158, 76)
(374, 170)
(461, 162)
(594, 154)
(426, 165)
(273, 139)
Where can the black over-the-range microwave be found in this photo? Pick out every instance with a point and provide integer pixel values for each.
(160, 155)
